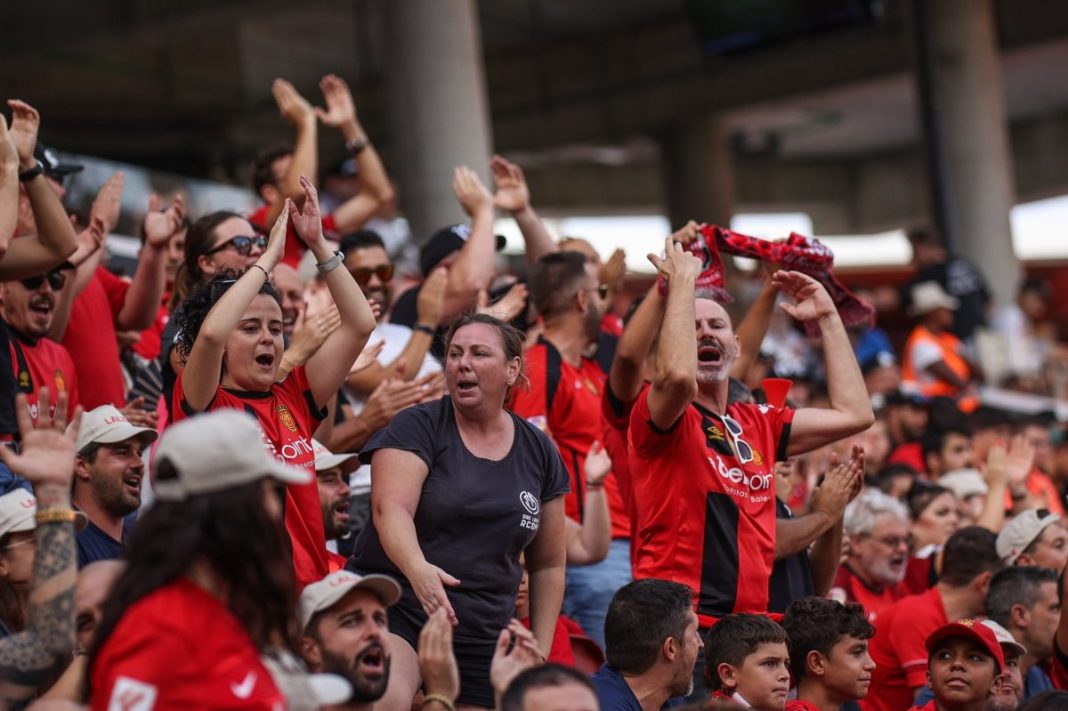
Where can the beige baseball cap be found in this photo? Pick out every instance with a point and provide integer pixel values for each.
(964, 482)
(216, 451)
(928, 296)
(325, 459)
(325, 593)
(1021, 531)
(106, 425)
(1004, 637)
(18, 511)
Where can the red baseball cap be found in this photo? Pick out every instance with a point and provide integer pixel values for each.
(973, 630)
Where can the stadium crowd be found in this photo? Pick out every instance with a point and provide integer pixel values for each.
(266, 472)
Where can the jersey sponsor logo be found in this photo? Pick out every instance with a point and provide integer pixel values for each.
(61, 382)
(752, 482)
(244, 689)
(286, 418)
(539, 421)
(132, 695)
(530, 502)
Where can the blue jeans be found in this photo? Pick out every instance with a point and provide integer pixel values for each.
(589, 589)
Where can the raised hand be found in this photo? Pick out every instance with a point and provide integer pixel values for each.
(88, 240)
(597, 465)
(276, 241)
(430, 301)
(840, 485)
(47, 451)
(429, 583)
(997, 468)
(25, 122)
(294, 108)
(138, 416)
(9, 153)
(340, 110)
(311, 332)
(811, 300)
(390, 397)
(307, 222)
(676, 262)
(437, 663)
(516, 651)
(470, 192)
(512, 194)
(160, 226)
(687, 233)
(107, 204)
(509, 306)
(614, 269)
(1021, 457)
(368, 356)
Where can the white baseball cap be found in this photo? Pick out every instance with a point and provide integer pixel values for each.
(325, 593)
(1021, 531)
(18, 512)
(216, 451)
(964, 482)
(106, 425)
(325, 459)
(928, 296)
(1004, 637)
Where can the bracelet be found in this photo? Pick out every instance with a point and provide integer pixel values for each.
(330, 264)
(32, 173)
(266, 276)
(56, 516)
(424, 327)
(356, 145)
(594, 487)
(441, 699)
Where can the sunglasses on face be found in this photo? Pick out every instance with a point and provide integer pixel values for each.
(363, 275)
(56, 280)
(243, 244)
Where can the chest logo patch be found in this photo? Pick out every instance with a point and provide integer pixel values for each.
(530, 502)
(286, 418)
(132, 695)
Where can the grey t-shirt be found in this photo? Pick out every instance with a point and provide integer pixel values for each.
(475, 516)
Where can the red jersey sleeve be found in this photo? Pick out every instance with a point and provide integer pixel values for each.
(908, 643)
(115, 288)
(532, 402)
(648, 439)
(135, 665)
(1058, 667)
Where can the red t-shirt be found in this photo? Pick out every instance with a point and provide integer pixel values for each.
(702, 513)
(151, 342)
(295, 248)
(799, 705)
(288, 418)
(43, 362)
(181, 648)
(615, 420)
(91, 340)
(565, 402)
(929, 706)
(910, 453)
(899, 652)
(848, 587)
(560, 652)
(920, 574)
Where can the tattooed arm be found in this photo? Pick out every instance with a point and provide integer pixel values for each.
(47, 460)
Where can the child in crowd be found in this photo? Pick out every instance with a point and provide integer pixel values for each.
(829, 657)
(746, 661)
(965, 659)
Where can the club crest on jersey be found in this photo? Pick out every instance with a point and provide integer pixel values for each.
(286, 418)
(24, 379)
(715, 432)
(531, 519)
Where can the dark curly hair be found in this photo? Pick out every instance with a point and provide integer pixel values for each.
(232, 532)
(817, 624)
(199, 302)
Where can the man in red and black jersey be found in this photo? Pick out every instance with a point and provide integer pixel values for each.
(28, 308)
(702, 471)
(564, 400)
(276, 174)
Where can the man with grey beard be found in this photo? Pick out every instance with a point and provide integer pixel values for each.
(877, 528)
(703, 469)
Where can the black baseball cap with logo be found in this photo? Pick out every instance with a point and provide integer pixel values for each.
(52, 165)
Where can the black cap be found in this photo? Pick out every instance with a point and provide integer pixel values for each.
(51, 164)
(444, 242)
(906, 397)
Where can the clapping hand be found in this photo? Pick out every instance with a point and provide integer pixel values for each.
(161, 225)
(470, 192)
(437, 663)
(293, 107)
(308, 222)
(47, 452)
(678, 261)
(517, 651)
(811, 300)
(513, 194)
(25, 122)
(598, 465)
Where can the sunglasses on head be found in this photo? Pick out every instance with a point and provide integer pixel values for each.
(56, 280)
(242, 243)
(363, 275)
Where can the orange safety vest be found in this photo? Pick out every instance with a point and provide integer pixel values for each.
(947, 343)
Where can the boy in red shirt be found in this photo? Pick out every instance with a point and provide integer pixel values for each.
(747, 661)
(965, 660)
(828, 653)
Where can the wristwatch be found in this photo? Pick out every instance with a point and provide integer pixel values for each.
(356, 145)
(330, 264)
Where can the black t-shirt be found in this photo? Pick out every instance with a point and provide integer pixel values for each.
(961, 279)
(475, 516)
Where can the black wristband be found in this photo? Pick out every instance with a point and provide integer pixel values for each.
(31, 173)
(425, 328)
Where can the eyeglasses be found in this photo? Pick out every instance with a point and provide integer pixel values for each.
(32, 539)
(363, 275)
(56, 280)
(601, 289)
(893, 542)
(742, 450)
(243, 244)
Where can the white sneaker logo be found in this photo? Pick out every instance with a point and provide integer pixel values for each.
(244, 689)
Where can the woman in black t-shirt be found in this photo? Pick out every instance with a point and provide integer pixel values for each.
(460, 487)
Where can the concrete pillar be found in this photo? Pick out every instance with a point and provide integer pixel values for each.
(967, 131)
(697, 172)
(436, 96)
